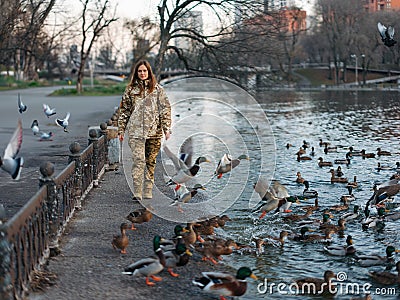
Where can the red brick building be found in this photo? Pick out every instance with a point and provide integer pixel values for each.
(377, 5)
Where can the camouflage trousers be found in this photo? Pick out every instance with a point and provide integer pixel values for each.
(144, 153)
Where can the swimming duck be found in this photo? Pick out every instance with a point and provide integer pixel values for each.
(121, 241)
(308, 193)
(301, 151)
(376, 222)
(302, 235)
(354, 152)
(294, 218)
(337, 179)
(326, 237)
(205, 227)
(312, 153)
(299, 179)
(339, 172)
(223, 284)
(177, 257)
(276, 241)
(329, 149)
(150, 266)
(323, 144)
(342, 250)
(350, 196)
(374, 260)
(340, 207)
(221, 220)
(387, 278)
(183, 172)
(387, 34)
(354, 183)
(351, 215)
(212, 249)
(322, 163)
(326, 219)
(325, 285)
(139, 216)
(341, 226)
(227, 163)
(381, 167)
(303, 157)
(312, 207)
(306, 144)
(345, 161)
(393, 216)
(367, 155)
(381, 152)
(288, 145)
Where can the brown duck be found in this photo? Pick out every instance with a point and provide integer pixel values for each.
(139, 216)
(121, 241)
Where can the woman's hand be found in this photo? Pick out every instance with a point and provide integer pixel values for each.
(167, 135)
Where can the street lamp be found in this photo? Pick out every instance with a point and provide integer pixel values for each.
(363, 68)
(355, 56)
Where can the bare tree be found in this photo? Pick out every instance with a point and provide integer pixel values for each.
(95, 17)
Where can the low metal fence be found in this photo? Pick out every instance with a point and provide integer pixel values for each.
(29, 237)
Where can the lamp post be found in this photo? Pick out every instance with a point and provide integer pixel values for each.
(363, 68)
(355, 57)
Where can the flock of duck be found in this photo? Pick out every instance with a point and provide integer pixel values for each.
(373, 214)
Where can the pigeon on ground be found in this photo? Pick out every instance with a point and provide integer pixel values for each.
(48, 111)
(21, 106)
(35, 127)
(63, 123)
(387, 34)
(46, 136)
(9, 162)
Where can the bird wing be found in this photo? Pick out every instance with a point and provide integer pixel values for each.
(381, 29)
(219, 277)
(186, 152)
(46, 107)
(391, 31)
(67, 117)
(20, 104)
(15, 143)
(179, 164)
(279, 190)
(261, 186)
(35, 123)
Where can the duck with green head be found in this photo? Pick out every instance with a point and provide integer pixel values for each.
(374, 259)
(227, 163)
(150, 266)
(224, 284)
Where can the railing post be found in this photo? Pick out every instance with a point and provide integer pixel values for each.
(114, 120)
(104, 132)
(93, 139)
(75, 148)
(47, 171)
(5, 265)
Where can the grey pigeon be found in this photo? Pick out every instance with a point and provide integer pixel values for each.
(9, 162)
(387, 34)
(46, 136)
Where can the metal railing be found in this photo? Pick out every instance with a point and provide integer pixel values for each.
(28, 238)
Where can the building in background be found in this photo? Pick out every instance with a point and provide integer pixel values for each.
(377, 5)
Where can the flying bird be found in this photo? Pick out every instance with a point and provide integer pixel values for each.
(387, 34)
(63, 122)
(21, 106)
(46, 136)
(48, 111)
(35, 127)
(9, 162)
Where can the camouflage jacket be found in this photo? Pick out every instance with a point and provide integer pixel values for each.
(144, 117)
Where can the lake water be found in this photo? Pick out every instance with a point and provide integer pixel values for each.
(364, 120)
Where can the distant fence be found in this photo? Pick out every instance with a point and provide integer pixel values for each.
(29, 237)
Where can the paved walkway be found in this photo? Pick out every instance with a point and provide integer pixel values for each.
(89, 268)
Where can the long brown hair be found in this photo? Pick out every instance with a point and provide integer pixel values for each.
(152, 81)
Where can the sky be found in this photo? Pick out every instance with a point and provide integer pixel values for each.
(136, 8)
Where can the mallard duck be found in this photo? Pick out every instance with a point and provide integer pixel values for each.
(381, 167)
(345, 161)
(366, 297)
(191, 236)
(322, 163)
(326, 216)
(387, 34)
(342, 250)
(308, 193)
(214, 249)
(221, 220)
(340, 207)
(150, 266)
(326, 237)
(312, 207)
(337, 179)
(183, 172)
(381, 152)
(341, 226)
(387, 278)
(121, 241)
(393, 216)
(354, 183)
(288, 145)
(177, 257)
(305, 144)
(374, 259)
(303, 157)
(295, 218)
(227, 163)
(312, 153)
(320, 286)
(383, 191)
(205, 227)
(364, 154)
(351, 215)
(329, 149)
(350, 196)
(354, 152)
(276, 241)
(301, 151)
(170, 244)
(323, 144)
(139, 216)
(373, 221)
(224, 284)
(184, 195)
(299, 178)
(285, 203)
(302, 235)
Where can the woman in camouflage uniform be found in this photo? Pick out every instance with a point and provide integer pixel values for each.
(145, 112)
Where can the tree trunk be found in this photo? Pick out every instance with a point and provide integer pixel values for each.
(79, 80)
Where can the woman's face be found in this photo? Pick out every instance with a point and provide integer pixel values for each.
(143, 73)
